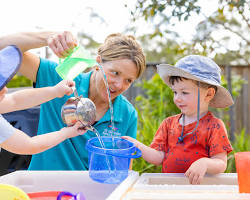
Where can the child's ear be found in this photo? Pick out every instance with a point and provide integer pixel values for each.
(210, 94)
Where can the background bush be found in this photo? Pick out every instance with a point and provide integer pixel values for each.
(19, 81)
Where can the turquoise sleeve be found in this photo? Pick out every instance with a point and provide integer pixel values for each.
(47, 75)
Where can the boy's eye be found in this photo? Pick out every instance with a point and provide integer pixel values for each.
(184, 92)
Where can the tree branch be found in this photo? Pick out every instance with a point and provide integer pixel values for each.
(246, 20)
(236, 33)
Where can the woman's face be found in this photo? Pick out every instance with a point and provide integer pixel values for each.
(120, 75)
(2, 93)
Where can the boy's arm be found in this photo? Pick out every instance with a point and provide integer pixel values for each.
(149, 154)
(28, 98)
(214, 165)
(217, 163)
(20, 143)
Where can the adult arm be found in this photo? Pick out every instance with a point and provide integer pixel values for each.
(60, 43)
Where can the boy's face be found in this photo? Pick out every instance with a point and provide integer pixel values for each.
(186, 97)
(2, 93)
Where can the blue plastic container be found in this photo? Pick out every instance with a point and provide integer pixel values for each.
(110, 164)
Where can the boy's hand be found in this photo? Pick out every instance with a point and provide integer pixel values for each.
(64, 87)
(62, 43)
(136, 142)
(196, 171)
(75, 130)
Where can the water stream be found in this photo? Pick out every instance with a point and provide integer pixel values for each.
(102, 145)
(110, 105)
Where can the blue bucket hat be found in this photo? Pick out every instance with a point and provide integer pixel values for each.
(201, 69)
(10, 62)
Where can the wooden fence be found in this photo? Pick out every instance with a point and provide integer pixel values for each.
(239, 113)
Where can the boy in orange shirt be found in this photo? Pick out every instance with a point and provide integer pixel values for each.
(193, 142)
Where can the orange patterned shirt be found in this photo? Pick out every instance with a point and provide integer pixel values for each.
(209, 139)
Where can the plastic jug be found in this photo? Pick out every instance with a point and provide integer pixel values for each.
(77, 62)
(242, 161)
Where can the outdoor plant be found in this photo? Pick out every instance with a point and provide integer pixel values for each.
(19, 81)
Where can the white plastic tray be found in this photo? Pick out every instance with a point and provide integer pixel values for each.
(177, 181)
(159, 186)
(72, 181)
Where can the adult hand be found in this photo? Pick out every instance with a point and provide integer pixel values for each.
(62, 44)
(196, 171)
(64, 87)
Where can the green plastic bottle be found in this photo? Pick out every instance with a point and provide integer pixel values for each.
(77, 62)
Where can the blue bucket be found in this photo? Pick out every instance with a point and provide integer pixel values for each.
(110, 165)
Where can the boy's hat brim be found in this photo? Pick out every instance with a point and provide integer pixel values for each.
(222, 98)
(10, 62)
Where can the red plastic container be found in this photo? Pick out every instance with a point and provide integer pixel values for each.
(50, 195)
(242, 161)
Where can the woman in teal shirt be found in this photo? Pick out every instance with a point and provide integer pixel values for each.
(123, 62)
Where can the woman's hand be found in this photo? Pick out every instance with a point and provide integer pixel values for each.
(62, 44)
(196, 171)
(64, 87)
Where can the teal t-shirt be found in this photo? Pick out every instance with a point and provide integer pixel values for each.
(71, 153)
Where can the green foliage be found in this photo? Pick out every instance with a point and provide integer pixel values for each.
(237, 83)
(241, 143)
(179, 9)
(223, 34)
(164, 50)
(153, 108)
(231, 20)
(19, 81)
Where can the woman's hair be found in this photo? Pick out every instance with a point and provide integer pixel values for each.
(117, 46)
(173, 79)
